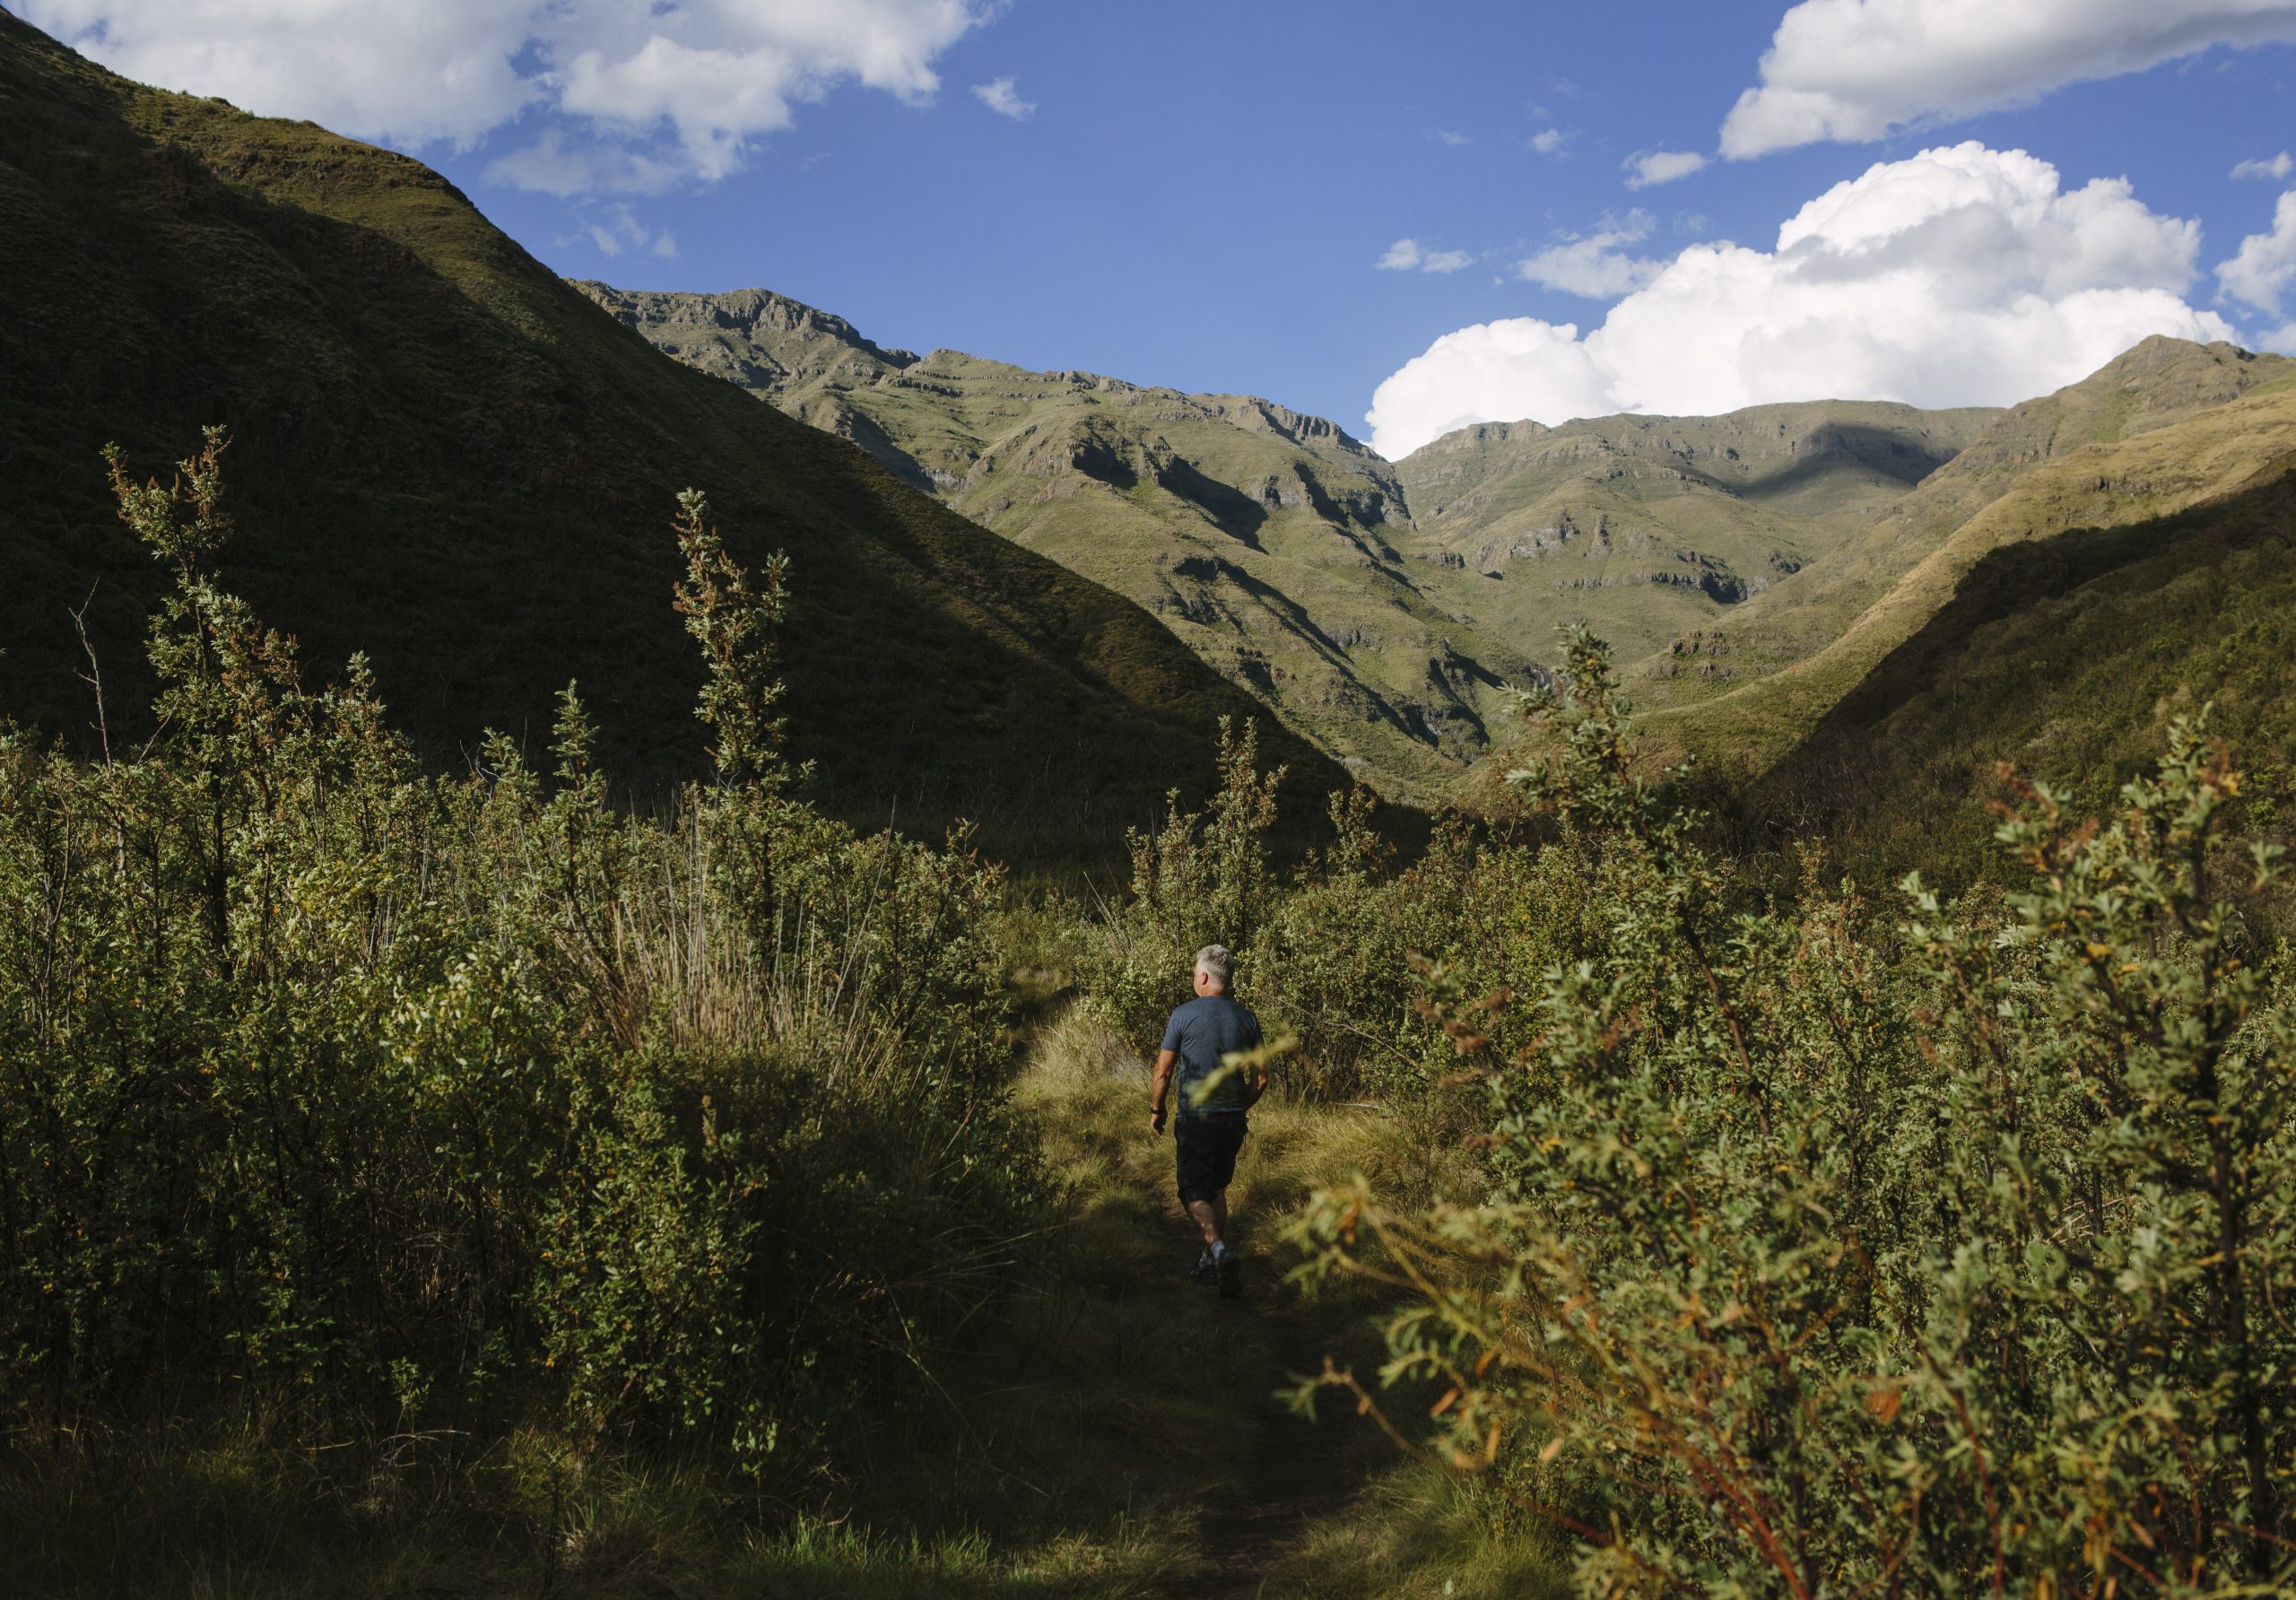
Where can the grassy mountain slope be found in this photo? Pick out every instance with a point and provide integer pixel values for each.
(1648, 527)
(1267, 539)
(446, 456)
(2153, 385)
(2066, 656)
(1380, 608)
(2167, 427)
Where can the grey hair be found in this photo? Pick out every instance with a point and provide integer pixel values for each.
(1214, 961)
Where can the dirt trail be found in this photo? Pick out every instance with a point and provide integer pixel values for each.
(1277, 1473)
(1298, 1470)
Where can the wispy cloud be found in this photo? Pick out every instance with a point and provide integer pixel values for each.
(1592, 265)
(2276, 168)
(555, 164)
(617, 228)
(1407, 256)
(1550, 141)
(1645, 169)
(1001, 97)
(1443, 136)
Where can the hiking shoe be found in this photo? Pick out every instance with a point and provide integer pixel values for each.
(1204, 1272)
(1229, 1270)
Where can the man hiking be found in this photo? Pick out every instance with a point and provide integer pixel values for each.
(1205, 1137)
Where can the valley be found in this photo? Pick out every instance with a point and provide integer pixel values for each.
(1749, 570)
(598, 887)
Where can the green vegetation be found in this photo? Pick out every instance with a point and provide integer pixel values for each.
(1832, 1250)
(455, 1182)
(597, 1165)
(1106, 1429)
(451, 460)
(373, 1101)
(460, 1182)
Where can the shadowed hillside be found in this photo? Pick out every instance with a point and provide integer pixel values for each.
(2155, 386)
(447, 457)
(2066, 657)
(2168, 427)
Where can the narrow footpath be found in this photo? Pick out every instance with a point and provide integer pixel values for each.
(1298, 1472)
(1177, 1399)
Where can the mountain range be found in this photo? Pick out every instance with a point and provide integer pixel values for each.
(1768, 578)
(1381, 608)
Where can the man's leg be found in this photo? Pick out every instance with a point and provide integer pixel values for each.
(1226, 1264)
(1211, 1217)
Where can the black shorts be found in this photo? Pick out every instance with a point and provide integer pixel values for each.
(1205, 1147)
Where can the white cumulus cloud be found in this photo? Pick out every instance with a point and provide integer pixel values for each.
(1001, 97)
(1853, 69)
(2274, 168)
(651, 94)
(1592, 265)
(1959, 276)
(2262, 271)
(1550, 141)
(1648, 167)
(1407, 255)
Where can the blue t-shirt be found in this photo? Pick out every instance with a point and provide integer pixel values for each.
(1199, 1033)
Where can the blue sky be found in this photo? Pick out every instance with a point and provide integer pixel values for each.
(1199, 194)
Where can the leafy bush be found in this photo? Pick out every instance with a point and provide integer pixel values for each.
(1204, 878)
(339, 1089)
(1328, 959)
(1824, 1256)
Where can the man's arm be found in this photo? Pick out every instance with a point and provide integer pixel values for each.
(1256, 1084)
(1159, 1083)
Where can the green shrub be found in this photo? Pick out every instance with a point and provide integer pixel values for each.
(1340, 958)
(1823, 1257)
(341, 1092)
(1204, 878)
